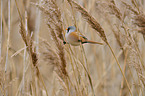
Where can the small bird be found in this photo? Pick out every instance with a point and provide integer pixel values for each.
(74, 39)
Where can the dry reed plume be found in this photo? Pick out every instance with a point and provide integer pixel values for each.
(27, 38)
(133, 55)
(91, 20)
(140, 22)
(56, 29)
(29, 43)
(35, 62)
(95, 25)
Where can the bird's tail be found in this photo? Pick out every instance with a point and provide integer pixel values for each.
(93, 42)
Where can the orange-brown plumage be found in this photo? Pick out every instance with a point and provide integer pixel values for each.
(74, 36)
(75, 39)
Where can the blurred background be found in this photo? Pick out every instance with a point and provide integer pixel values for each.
(91, 69)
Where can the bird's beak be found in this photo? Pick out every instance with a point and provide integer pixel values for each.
(65, 29)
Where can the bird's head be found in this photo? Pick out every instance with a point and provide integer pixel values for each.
(71, 29)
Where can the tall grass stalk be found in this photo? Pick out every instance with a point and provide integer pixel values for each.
(95, 25)
(37, 26)
(120, 69)
(8, 37)
(28, 42)
(48, 67)
(82, 49)
(124, 68)
(84, 67)
(1, 28)
(73, 68)
(24, 57)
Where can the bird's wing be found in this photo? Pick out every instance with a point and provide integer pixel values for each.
(77, 37)
(84, 37)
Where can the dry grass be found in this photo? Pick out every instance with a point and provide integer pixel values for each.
(35, 62)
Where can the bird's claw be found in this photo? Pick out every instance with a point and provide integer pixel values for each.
(64, 42)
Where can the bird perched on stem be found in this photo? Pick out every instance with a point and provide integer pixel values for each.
(75, 39)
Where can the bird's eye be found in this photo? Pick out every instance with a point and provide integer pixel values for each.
(68, 30)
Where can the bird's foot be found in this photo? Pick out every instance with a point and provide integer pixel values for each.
(64, 42)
